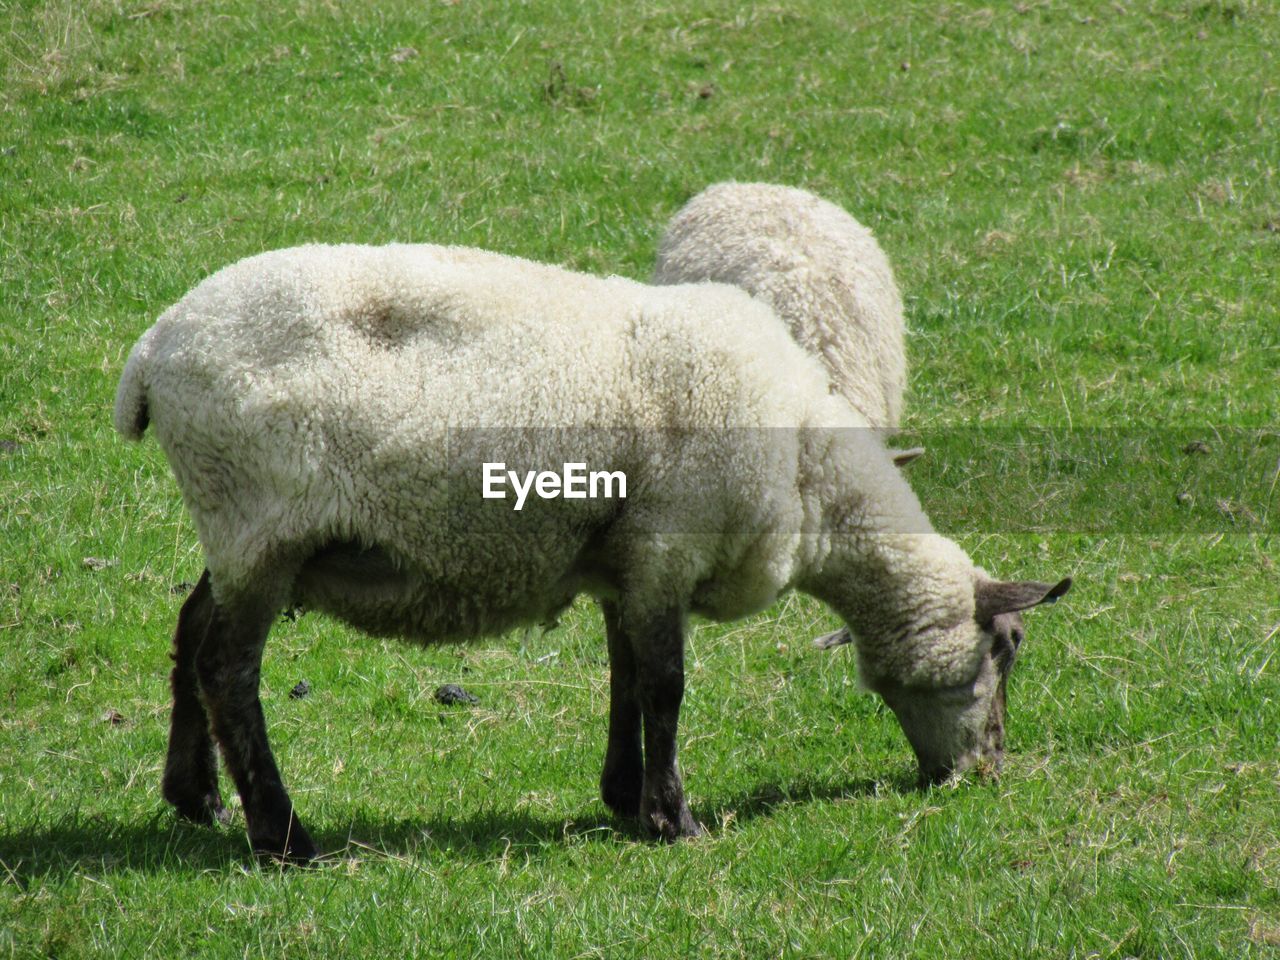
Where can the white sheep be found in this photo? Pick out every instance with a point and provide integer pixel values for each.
(327, 412)
(819, 269)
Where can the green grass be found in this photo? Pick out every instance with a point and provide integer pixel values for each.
(1081, 202)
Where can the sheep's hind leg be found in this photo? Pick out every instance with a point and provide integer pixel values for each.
(229, 664)
(191, 767)
(623, 776)
(658, 645)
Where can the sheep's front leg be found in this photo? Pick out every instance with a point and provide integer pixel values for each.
(228, 664)
(191, 767)
(658, 646)
(623, 776)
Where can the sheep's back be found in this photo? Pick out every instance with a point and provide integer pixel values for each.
(820, 269)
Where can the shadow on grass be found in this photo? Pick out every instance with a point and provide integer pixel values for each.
(766, 798)
(488, 836)
(97, 844)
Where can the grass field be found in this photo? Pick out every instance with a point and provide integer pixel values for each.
(1082, 203)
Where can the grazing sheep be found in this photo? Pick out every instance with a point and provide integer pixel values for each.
(819, 269)
(328, 413)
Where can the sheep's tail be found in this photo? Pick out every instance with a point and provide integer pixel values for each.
(131, 415)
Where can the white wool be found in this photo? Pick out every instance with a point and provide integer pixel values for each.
(819, 269)
(342, 394)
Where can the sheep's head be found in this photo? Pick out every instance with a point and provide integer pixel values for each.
(960, 727)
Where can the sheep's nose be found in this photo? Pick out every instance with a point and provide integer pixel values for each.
(986, 763)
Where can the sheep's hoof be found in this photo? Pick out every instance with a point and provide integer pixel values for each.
(620, 792)
(294, 849)
(668, 828)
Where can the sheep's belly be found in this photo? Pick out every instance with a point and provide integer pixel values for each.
(366, 588)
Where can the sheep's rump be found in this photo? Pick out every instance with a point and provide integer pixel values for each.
(819, 269)
(326, 412)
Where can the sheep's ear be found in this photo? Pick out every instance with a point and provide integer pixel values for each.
(902, 457)
(994, 597)
(829, 640)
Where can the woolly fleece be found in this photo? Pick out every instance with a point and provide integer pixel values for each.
(326, 409)
(819, 269)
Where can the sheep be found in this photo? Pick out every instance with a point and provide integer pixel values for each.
(328, 412)
(819, 269)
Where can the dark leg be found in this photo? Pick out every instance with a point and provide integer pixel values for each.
(658, 645)
(191, 767)
(623, 776)
(228, 664)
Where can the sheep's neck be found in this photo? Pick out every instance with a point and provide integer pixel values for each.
(880, 564)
